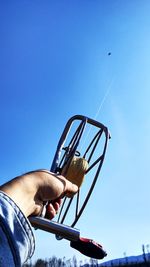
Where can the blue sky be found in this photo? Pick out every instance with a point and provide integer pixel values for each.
(55, 64)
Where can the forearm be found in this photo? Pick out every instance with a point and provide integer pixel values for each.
(22, 191)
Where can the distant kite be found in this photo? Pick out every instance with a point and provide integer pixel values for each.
(109, 54)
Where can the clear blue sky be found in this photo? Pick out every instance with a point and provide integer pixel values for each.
(54, 63)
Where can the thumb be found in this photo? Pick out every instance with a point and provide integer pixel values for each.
(70, 189)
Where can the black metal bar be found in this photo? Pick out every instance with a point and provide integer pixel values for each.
(94, 163)
(66, 211)
(96, 142)
(94, 181)
(77, 205)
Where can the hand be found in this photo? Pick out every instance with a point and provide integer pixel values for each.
(31, 190)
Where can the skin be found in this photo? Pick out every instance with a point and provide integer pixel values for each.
(32, 190)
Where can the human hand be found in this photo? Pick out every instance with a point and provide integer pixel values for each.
(31, 190)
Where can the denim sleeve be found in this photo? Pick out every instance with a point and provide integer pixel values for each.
(17, 242)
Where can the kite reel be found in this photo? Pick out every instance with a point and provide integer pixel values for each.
(79, 157)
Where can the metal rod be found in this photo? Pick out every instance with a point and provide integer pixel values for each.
(62, 230)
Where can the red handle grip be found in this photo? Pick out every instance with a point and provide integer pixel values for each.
(89, 248)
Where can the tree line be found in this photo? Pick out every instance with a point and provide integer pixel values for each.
(58, 262)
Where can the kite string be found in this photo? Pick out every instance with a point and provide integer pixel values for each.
(99, 109)
(104, 98)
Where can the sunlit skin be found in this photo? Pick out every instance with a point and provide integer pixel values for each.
(32, 190)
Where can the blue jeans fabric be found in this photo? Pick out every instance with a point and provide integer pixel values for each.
(17, 241)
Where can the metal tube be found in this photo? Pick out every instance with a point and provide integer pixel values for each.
(61, 230)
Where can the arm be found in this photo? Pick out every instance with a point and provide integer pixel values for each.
(24, 196)
(32, 189)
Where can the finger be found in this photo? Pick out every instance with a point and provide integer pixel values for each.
(50, 211)
(71, 189)
(58, 200)
(52, 208)
(56, 204)
(38, 208)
